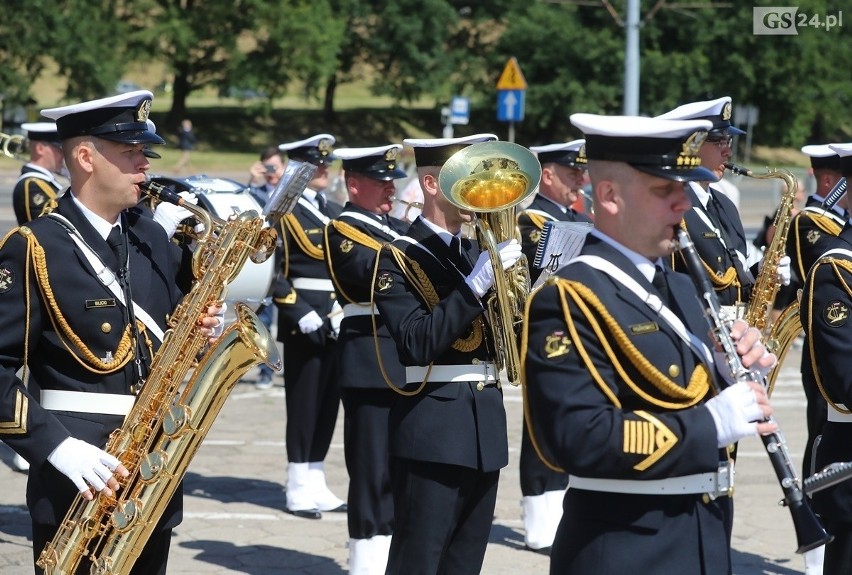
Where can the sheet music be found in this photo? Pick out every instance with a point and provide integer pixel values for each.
(560, 241)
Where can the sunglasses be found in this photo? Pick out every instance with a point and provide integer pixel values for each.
(723, 142)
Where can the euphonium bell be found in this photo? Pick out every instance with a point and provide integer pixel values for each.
(489, 179)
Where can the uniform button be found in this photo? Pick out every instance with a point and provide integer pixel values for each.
(480, 386)
(106, 328)
(674, 371)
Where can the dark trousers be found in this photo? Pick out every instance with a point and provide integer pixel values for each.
(443, 518)
(312, 397)
(365, 444)
(838, 553)
(152, 560)
(536, 477)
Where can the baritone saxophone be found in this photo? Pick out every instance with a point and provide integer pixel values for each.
(780, 334)
(170, 418)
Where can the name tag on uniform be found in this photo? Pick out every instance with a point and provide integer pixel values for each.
(709, 235)
(647, 327)
(313, 230)
(99, 303)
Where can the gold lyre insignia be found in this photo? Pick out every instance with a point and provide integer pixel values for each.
(384, 282)
(346, 246)
(648, 436)
(290, 298)
(726, 111)
(143, 110)
(7, 279)
(813, 236)
(556, 344)
(836, 313)
(535, 235)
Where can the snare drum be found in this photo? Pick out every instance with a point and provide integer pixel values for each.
(225, 198)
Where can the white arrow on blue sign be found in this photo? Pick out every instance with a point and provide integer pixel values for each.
(510, 105)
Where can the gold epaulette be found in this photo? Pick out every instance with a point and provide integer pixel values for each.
(302, 240)
(825, 223)
(352, 234)
(613, 339)
(836, 265)
(70, 340)
(536, 219)
(44, 187)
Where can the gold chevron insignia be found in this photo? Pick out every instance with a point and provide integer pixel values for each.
(18, 425)
(648, 436)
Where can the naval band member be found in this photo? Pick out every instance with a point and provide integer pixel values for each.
(562, 172)
(617, 370)
(714, 222)
(367, 356)
(71, 331)
(305, 298)
(447, 426)
(37, 187)
(825, 310)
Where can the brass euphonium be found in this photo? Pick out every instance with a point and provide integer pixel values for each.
(489, 179)
(170, 418)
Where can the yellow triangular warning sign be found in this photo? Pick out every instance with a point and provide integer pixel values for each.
(512, 78)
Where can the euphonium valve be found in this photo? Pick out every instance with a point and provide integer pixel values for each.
(489, 179)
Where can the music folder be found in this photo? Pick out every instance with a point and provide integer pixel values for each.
(559, 242)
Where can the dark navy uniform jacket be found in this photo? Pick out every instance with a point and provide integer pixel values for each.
(531, 223)
(351, 247)
(450, 423)
(825, 313)
(810, 235)
(92, 314)
(35, 189)
(631, 414)
(302, 257)
(736, 288)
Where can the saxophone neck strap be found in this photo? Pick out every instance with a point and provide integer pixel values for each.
(651, 300)
(106, 276)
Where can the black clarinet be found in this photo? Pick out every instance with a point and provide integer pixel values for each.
(810, 532)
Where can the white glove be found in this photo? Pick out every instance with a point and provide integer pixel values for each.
(169, 215)
(335, 317)
(735, 412)
(481, 278)
(784, 273)
(310, 322)
(220, 327)
(83, 463)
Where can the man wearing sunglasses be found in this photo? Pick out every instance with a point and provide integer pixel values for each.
(713, 222)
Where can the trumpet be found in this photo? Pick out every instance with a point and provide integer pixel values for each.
(13, 146)
(408, 207)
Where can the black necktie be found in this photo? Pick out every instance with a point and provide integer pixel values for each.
(323, 204)
(662, 286)
(115, 239)
(456, 255)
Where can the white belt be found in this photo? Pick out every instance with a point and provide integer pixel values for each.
(714, 484)
(486, 372)
(732, 312)
(353, 309)
(86, 402)
(316, 284)
(835, 416)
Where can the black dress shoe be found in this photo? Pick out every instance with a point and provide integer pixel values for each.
(342, 508)
(305, 513)
(542, 551)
